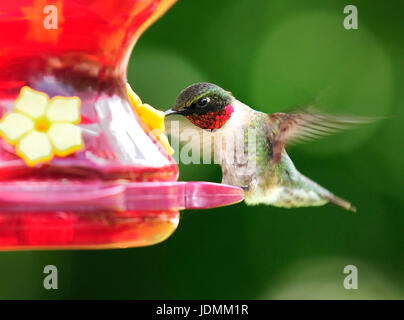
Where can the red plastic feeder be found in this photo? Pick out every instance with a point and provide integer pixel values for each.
(119, 189)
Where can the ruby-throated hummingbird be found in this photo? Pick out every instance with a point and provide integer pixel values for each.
(273, 179)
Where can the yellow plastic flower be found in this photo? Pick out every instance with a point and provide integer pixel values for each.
(153, 119)
(41, 128)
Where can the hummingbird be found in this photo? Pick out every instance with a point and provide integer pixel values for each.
(273, 180)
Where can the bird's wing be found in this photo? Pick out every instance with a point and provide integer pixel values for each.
(288, 128)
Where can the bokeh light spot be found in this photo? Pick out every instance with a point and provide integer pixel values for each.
(312, 58)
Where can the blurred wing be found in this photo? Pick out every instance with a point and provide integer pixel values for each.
(305, 126)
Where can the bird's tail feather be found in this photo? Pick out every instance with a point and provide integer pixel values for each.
(341, 203)
(325, 194)
(310, 187)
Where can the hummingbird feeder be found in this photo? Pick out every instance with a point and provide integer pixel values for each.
(84, 163)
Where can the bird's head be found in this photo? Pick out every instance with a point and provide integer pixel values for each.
(206, 105)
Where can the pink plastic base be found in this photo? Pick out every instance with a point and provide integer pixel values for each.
(91, 215)
(82, 196)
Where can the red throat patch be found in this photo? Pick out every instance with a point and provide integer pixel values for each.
(211, 120)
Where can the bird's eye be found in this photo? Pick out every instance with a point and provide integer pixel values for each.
(202, 102)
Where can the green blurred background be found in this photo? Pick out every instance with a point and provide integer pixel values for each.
(273, 55)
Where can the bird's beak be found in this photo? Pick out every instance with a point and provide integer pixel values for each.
(170, 112)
